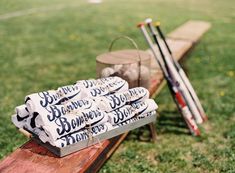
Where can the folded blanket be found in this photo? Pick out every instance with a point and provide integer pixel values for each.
(90, 88)
(82, 111)
(105, 89)
(26, 124)
(144, 106)
(102, 82)
(73, 122)
(45, 115)
(22, 111)
(73, 92)
(95, 130)
(117, 100)
(69, 92)
(136, 118)
(37, 131)
(52, 97)
(128, 111)
(20, 116)
(81, 135)
(18, 122)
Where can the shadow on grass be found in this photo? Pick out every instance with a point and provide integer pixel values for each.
(169, 122)
(170, 118)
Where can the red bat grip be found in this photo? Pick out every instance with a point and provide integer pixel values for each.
(180, 99)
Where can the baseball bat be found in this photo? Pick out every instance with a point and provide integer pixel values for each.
(176, 95)
(175, 75)
(182, 74)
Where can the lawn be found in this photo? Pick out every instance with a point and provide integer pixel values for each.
(46, 44)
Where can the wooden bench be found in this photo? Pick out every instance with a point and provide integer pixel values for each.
(31, 157)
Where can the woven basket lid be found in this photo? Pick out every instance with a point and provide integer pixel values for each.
(127, 56)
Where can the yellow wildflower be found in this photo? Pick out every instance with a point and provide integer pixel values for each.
(230, 73)
(73, 37)
(221, 93)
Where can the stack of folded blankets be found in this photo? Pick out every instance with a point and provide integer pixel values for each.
(87, 108)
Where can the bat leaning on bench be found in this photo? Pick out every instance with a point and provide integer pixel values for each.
(182, 74)
(176, 76)
(172, 83)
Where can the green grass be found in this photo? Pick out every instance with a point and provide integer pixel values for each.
(44, 50)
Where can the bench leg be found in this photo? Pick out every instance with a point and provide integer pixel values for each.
(153, 132)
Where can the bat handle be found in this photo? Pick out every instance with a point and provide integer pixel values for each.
(157, 24)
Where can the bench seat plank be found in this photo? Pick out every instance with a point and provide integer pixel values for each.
(190, 31)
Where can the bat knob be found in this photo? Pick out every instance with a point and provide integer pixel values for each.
(148, 20)
(157, 23)
(140, 24)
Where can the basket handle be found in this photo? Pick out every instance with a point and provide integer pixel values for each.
(136, 47)
(127, 38)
